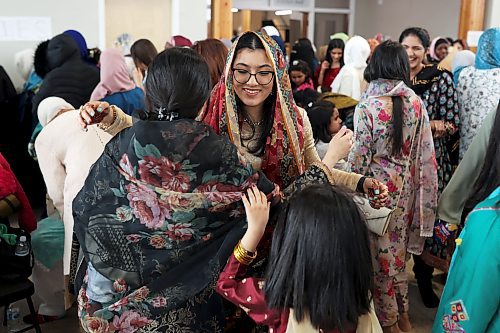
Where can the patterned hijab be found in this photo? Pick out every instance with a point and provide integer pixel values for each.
(283, 158)
(488, 49)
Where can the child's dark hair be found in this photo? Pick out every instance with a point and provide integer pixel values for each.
(420, 33)
(305, 97)
(301, 66)
(320, 262)
(335, 44)
(390, 61)
(320, 115)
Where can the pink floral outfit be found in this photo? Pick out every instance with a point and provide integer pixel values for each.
(414, 218)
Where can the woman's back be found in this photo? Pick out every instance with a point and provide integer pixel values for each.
(478, 93)
(373, 117)
(128, 101)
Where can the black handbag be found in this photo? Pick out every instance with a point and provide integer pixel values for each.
(15, 268)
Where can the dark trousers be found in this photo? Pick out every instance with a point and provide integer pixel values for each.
(423, 272)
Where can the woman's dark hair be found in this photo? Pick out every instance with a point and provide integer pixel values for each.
(214, 52)
(305, 97)
(300, 66)
(322, 269)
(420, 33)
(303, 50)
(249, 40)
(178, 81)
(320, 115)
(489, 177)
(390, 61)
(143, 51)
(335, 44)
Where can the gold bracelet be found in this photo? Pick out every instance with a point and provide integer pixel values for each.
(243, 256)
(105, 127)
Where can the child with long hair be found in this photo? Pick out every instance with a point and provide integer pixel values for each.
(311, 283)
(300, 75)
(325, 122)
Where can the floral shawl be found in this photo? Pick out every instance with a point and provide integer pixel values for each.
(283, 160)
(371, 156)
(158, 216)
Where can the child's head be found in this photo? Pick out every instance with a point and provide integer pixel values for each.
(299, 72)
(305, 97)
(325, 120)
(320, 262)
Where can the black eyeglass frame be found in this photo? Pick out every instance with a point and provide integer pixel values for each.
(252, 74)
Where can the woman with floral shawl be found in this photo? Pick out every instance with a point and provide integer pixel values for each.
(160, 211)
(257, 111)
(434, 84)
(393, 143)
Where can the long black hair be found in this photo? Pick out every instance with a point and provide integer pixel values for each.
(320, 115)
(390, 61)
(303, 50)
(335, 44)
(420, 33)
(320, 262)
(178, 82)
(489, 177)
(249, 40)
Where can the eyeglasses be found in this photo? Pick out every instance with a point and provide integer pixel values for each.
(243, 76)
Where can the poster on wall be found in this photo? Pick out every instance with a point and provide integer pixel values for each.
(25, 28)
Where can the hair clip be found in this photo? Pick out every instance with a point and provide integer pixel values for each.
(161, 112)
(310, 104)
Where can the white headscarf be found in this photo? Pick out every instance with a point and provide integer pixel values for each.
(271, 30)
(463, 59)
(24, 62)
(49, 107)
(348, 81)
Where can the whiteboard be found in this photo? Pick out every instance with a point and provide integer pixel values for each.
(25, 28)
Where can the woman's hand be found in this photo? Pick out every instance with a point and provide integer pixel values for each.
(137, 77)
(257, 211)
(438, 128)
(325, 65)
(377, 192)
(339, 147)
(95, 112)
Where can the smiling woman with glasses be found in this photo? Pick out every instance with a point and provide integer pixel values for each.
(254, 106)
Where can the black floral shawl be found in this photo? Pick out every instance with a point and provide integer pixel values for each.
(159, 215)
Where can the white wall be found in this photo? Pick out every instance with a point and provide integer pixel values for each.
(492, 14)
(78, 15)
(141, 19)
(189, 19)
(391, 17)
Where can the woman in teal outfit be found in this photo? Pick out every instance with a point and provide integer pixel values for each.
(471, 297)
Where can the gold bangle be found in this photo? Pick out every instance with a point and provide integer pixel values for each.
(243, 256)
(105, 127)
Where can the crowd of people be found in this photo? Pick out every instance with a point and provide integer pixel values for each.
(207, 188)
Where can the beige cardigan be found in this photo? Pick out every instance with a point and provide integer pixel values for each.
(347, 179)
(65, 155)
